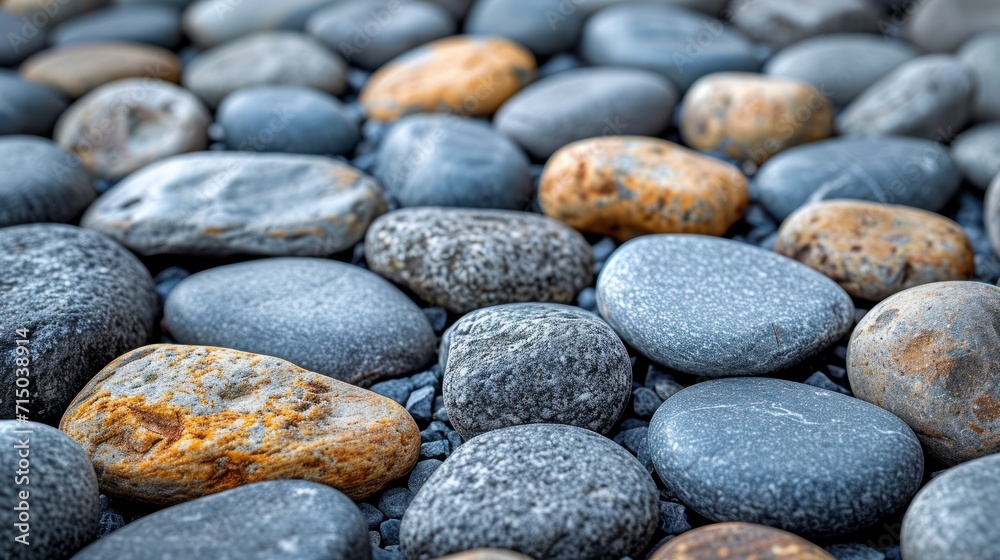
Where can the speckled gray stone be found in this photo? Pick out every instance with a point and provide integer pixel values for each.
(981, 55)
(891, 170)
(545, 490)
(528, 363)
(783, 22)
(928, 97)
(784, 454)
(976, 152)
(544, 26)
(955, 515)
(41, 182)
(586, 102)
(27, 107)
(717, 307)
(464, 259)
(325, 316)
(84, 300)
(226, 203)
(446, 160)
(156, 25)
(287, 518)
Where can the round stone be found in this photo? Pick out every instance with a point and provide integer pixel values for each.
(293, 518)
(45, 14)
(976, 152)
(439, 160)
(270, 58)
(486, 554)
(546, 27)
(533, 363)
(228, 203)
(167, 423)
(469, 76)
(943, 25)
(42, 182)
(789, 455)
(929, 355)
(752, 116)
(464, 259)
(783, 22)
(212, 22)
(156, 25)
(875, 250)
(26, 107)
(329, 317)
(23, 39)
(717, 307)
(991, 215)
(981, 55)
(544, 490)
(292, 119)
(584, 103)
(627, 186)
(743, 541)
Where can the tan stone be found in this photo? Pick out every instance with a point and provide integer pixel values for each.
(486, 554)
(77, 69)
(739, 541)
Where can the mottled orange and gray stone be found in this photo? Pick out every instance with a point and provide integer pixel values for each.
(739, 541)
(77, 69)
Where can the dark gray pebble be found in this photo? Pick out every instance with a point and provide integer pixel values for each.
(420, 473)
(420, 404)
(156, 25)
(21, 38)
(544, 26)
(41, 182)
(394, 502)
(27, 107)
(390, 532)
(373, 516)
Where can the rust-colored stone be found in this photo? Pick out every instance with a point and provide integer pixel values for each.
(739, 541)
(169, 423)
(875, 250)
(486, 554)
(77, 69)
(627, 186)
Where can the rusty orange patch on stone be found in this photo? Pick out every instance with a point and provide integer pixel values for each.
(739, 541)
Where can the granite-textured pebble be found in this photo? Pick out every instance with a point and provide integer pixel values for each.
(21, 39)
(782, 22)
(156, 25)
(787, 455)
(544, 26)
(169, 423)
(289, 518)
(981, 55)
(27, 107)
(930, 356)
(329, 317)
(944, 25)
(717, 307)
(83, 300)
(587, 102)
(533, 363)
(41, 182)
(544, 490)
(464, 259)
(739, 541)
(976, 152)
(212, 22)
(226, 203)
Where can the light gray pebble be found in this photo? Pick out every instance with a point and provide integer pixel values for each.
(981, 55)
(783, 22)
(976, 152)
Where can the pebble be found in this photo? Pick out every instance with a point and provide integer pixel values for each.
(45, 14)
(752, 116)
(464, 259)
(42, 182)
(854, 551)
(22, 40)
(584, 103)
(420, 473)
(791, 456)
(227, 203)
(890, 170)
(976, 152)
(441, 160)
(420, 404)
(627, 186)
(782, 22)
(293, 518)
(268, 58)
(329, 317)
(544, 26)
(26, 107)
(51, 496)
(955, 515)
(167, 424)
(82, 299)
(927, 97)
(717, 307)
(394, 502)
(532, 363)
(156, 25)
(981, 55)
(739, 541)
(74, 70)
(544, 490)
(465, 75)
(875, 250)
(125, 125)
(944, 25)
(679, 44)
(991, 213)
(486, 554)
(929, 355)
(212, 22)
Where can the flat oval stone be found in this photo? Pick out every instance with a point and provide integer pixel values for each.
(943, 25)
(954, 515)
(227, 203)
(82, 298)
(544, 490)
(894, 170)
(26, 107)
(42, 182)
(791, 456)
(125, 125)
(929, 355)
(739, 541)
(783, 22)
(544, 26)
(464, 259)
(485, 554)
(717, 307)
(679, 44)
(267, 58)
(469, 165)
(169, 423)
(300, 519)
(292, 119)
(627, 186)
(875, 250)
(981, 55)
(469, 76)
(711, 7)
(46, 14)
(587, 102)
(976, 152)
(77, 69)
(156, 25)
(533, 363)
(928, 97)
(212, 22)
(329, 317)
(23, 39)
(752, 116)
